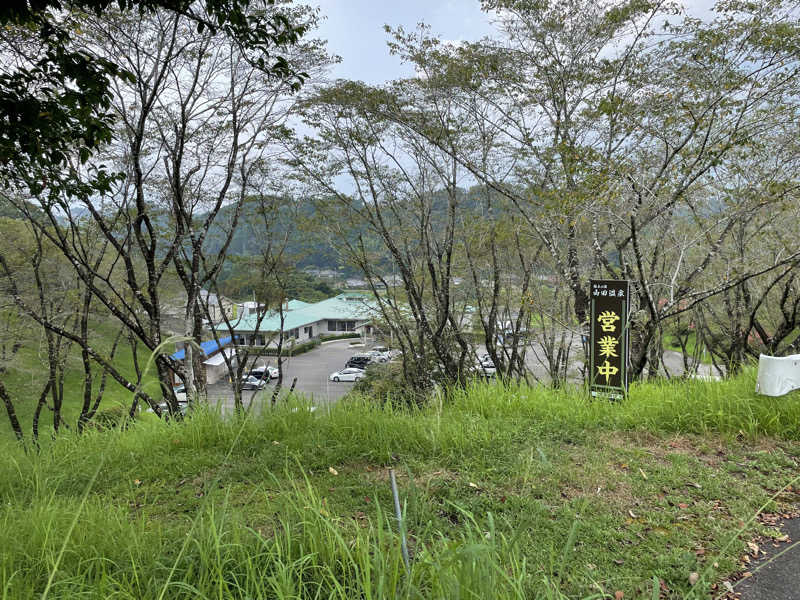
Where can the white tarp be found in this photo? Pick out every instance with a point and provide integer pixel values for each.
(218, 359)
(778, 375)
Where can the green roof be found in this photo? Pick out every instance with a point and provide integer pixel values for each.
(348, 306)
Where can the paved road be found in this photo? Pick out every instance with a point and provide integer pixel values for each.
(311, 369)
(777, 579)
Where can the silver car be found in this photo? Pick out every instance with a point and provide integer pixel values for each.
(349, 374)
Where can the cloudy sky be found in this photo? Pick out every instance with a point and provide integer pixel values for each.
(354, 30)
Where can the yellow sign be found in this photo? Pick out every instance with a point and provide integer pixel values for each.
(608, 346)
(607, 319)
(607, 369)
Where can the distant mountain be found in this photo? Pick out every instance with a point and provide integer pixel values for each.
(308, 246)
(308, 242)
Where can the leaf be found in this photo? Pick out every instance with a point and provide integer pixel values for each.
(619, 595)
(753, 547)
(683, 505)
(333, 471)
(473, 485)
(694, 577)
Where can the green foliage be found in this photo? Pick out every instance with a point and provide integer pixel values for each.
(289, 349)
(240, 279)
(327, 337)
(45, 123)
(385, 384)
(508, 492)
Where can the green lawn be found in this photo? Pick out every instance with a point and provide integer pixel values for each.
(508, 493)
(671, 343)
(27, 375)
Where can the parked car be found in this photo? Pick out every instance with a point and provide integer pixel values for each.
(253, 383)
(183, 403)
(359, 361)
(389, 354)
(258, 372)
(485, 366)
(378, 356)
(350, 374)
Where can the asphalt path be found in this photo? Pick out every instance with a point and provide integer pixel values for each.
(312, 370)
(778, 577)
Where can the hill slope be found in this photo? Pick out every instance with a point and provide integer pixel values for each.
(508, 493)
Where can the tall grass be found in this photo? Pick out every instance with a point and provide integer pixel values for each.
(305, 553)
(216, 508)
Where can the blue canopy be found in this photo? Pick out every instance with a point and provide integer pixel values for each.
(208, 347)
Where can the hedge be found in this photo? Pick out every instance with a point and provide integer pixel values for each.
(327, 337)
(287, 350)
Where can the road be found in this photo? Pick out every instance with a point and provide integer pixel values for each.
(311, 369)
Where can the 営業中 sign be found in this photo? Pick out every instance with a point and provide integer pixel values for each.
(608, 328)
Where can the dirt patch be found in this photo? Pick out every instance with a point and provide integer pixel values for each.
(380, 474)
(709, 450)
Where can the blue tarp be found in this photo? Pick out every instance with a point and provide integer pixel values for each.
(208, 347)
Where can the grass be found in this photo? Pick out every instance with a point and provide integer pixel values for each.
(508, 492)
(27, 376)
(671, 343)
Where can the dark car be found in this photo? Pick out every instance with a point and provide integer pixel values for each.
(359, 361)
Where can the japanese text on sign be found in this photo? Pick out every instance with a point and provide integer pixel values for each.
(609, 338)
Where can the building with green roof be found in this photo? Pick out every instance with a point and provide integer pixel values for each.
(348, 312)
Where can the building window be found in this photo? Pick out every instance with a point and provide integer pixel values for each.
(331, 325)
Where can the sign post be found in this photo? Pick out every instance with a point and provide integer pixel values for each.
(610, 340)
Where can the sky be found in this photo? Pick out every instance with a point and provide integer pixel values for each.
(354, 30)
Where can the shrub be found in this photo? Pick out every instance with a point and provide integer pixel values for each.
(327, 337)
(287, 350)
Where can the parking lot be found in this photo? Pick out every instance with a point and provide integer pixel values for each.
(311, 369)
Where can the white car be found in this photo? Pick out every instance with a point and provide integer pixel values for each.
(180, 396)
(485, 367)
(259, 373)
(378, 356)
(349, 374)
(253, 383)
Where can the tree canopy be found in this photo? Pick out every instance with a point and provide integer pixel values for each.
(55, 98)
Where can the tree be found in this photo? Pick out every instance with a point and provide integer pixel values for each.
(48, 128)
(613, 137)
(196, 119)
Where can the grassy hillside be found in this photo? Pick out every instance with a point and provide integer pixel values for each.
(508, 493)
(27, 375)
